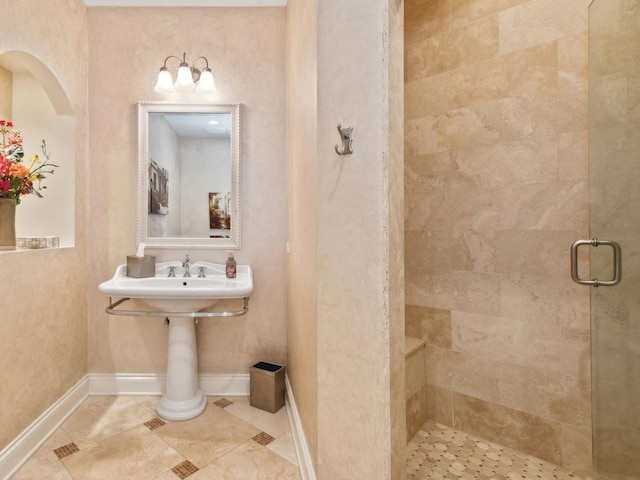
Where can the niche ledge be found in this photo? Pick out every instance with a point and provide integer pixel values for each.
(31, 243)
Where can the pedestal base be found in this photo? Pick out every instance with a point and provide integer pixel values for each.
(178, 410)
(183, 398)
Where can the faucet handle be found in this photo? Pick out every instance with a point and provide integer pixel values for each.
(172, 270)
(201, 270)
(186, 263)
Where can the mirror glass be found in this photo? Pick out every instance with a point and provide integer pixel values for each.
(189, 175)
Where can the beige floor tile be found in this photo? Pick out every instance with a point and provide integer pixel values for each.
(168, 475)
(100, 417)
(249, 461)
(114, 443)
(41, 467)
(283, 446)
(150, 402)
(136, 454)
(275, 424)
(45, 463)
(207, 437)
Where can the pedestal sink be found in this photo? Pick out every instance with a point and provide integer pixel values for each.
(180, 299)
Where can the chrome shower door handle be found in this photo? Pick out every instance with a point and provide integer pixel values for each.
(617, 263)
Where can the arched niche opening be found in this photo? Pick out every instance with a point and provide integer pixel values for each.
(33, 99)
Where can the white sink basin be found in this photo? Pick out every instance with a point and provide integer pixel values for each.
(180, 293)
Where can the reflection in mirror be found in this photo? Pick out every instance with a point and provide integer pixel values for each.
(189, 175)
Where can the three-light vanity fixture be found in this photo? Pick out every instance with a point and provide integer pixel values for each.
(189, 78)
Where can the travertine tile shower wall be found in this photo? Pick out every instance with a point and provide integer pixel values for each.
(495, 193)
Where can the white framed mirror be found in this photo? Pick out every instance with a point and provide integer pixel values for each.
(189, 175)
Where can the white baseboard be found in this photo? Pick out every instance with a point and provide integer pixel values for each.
(14, 455)
(212, 385)
(220, 385)
(305, 463)
(125, 384)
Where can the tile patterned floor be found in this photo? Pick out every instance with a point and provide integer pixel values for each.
(122, 437)
(439, 452)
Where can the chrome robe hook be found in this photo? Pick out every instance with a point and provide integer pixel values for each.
(345, 135)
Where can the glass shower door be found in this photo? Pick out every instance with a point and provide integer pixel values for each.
(614, 164)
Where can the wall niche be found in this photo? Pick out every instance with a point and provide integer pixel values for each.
(33, 99)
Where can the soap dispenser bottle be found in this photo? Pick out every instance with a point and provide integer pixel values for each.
(231, 266)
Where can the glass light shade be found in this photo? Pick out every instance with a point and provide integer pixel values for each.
(184, 82)
(165, 82)
(206, 83)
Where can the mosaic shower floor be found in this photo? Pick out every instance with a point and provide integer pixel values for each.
(439, 452)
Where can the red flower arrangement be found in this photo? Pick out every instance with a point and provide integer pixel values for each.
(16, 177)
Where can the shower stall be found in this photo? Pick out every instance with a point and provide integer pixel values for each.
(522, 136)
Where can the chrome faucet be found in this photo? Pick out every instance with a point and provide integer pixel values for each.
(186, 263)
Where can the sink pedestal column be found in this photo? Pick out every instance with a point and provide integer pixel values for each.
(183, 398)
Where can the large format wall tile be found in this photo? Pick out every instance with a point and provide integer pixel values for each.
(431, 324)
(465, 291)
(577, 454)
(435, 54)
(506, 164)
(439, 405)
(572, 59)
(464, 12)
(549, 112)
(555, 396)
(489, 78)
(509, 427)
(540, 21)
(425, 18)
(417, 411)
(540, 299)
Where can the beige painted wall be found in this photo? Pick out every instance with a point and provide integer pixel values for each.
(346, 310)
(496, 192)
(6, 89)
(302, 166)
(246, 50)
(43, 335)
